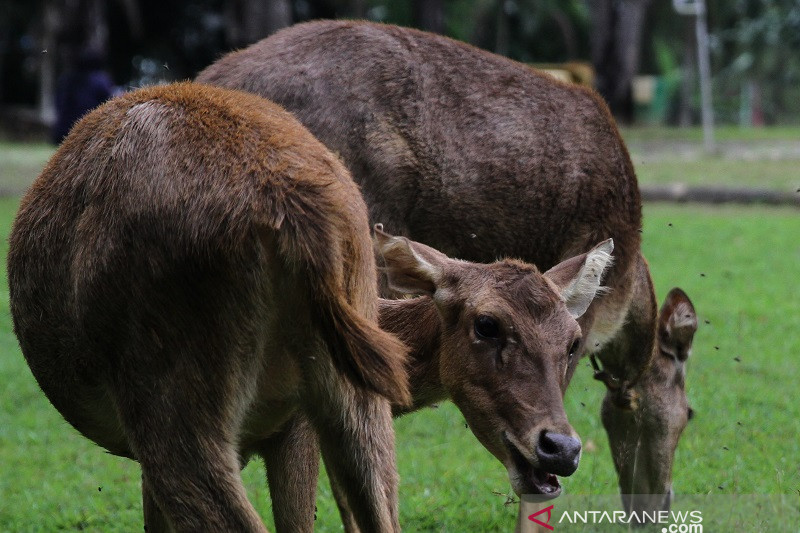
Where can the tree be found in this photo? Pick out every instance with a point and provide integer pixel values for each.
(616, 30)
(248, 21)
(533, 31)
(758, 53)
(429, 15)
(69, 28)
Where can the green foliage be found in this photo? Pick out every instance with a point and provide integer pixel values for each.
(757, 42)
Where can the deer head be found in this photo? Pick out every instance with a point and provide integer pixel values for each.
(644, 436)
(508, 343)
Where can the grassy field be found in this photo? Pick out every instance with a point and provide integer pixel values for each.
(740, 266)
(20, 163)
(721, 133)
(756, 157)
(772, 174)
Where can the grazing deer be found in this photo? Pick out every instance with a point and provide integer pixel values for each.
(192, 281)
(480, 157)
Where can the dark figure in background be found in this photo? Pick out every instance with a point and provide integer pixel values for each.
(616, 32)
(79, 90)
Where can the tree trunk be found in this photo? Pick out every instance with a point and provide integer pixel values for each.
(501, 44)
(248, 21)
(134, 15)
(429, 15)
(96, 27)
(567, 31)
(688, 69)
(615, 39)
(47, 65)
(356, 9)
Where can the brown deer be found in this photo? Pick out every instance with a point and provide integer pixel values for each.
(192, 279)
(481, 157)
(499, 339)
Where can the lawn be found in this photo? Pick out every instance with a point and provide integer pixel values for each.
(755, 157)
(723, 133)
(20, 163)
(740, 266)
(771, 174)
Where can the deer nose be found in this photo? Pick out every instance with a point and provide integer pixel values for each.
(558, 454)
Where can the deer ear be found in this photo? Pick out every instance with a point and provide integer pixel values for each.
(410, 267)
(677, 324)
(578, 279)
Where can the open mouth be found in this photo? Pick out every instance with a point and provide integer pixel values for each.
(531, 479)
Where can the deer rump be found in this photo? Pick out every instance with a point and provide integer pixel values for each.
(190, 270)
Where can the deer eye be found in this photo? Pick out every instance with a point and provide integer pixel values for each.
(573, 349)
(487, 327)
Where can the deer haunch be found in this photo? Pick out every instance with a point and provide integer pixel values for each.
(480, 157)
(192, 281)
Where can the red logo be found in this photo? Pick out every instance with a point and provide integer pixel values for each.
(545, 523)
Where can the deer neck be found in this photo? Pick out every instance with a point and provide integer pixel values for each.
(416, 322)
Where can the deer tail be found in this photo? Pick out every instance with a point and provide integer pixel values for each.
(366, 354)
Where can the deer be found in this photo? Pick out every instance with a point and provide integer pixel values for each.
(481, 157)
(192, 283)
(500, 340)
(191, 271)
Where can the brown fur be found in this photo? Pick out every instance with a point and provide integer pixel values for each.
(480, 157)
(191, 280)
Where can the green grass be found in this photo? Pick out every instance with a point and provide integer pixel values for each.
(740, 266)
(721, 133)
(773, 174)
(748, 157)
(20, 163)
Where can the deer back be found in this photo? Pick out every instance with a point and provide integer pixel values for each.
(472, 153)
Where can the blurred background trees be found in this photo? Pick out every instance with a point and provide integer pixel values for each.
(616, 32)
(755, 45)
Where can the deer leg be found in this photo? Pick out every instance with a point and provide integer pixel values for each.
(196, 484)
(154, 519)
(200, 490)
(340, 496)
(194, 480)
(292, 461)
(358, 447)
(181, 429)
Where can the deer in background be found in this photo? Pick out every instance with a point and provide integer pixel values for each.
(482, 157)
